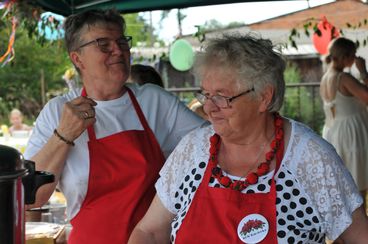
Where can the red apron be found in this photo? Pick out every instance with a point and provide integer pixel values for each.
(123, 170)
(215, 213)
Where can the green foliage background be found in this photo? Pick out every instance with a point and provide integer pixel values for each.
(20, 79)
(302, 103)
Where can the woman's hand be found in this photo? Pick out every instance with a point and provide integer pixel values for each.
(76, 116)
(360, 64)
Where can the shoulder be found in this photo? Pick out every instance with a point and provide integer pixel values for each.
(346, 79)
(187, 160)
(61, 99)
(346, 75)
(26, 127)
(152, 96)
(307, 149)
(304, 134)
(53, 107)
(193, 147)
(199, 136)
(148, 91)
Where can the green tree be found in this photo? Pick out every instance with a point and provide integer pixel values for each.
(180, 16)
(235, 24)
(302, 103)
(140, 30)
(20, 79)
(212, 24)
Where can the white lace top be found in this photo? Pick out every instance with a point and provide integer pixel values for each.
(315, 193)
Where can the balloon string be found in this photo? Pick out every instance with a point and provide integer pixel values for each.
(6, 4)
(9, 58)
(10, 52)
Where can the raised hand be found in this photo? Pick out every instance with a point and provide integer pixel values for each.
(76, 116)
(360, 64)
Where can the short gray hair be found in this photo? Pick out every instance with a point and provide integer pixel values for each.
(75, 25)
(254, 61)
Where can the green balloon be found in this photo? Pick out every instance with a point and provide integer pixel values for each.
(181, 55)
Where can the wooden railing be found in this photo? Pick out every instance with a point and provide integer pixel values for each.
(302, 103)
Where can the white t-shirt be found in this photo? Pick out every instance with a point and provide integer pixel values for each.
(316, 194)
(168, 118)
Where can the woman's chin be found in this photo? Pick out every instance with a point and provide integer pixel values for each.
(219, 128)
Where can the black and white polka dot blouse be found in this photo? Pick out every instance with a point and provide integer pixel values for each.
(315, 193)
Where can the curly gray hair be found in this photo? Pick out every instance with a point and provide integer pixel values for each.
(253, 60)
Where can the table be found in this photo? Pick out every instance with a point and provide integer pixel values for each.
(15, 142)
(45, 233)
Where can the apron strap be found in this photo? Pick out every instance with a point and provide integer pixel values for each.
(138, 109)
(142, 118)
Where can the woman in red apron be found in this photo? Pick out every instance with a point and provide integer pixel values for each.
(227, 212)
(115, 200)
(250, 190)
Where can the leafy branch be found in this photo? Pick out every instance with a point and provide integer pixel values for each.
(29, 17)
(310, 27)
(200, 34)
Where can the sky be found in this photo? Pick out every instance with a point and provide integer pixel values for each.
(226, 13)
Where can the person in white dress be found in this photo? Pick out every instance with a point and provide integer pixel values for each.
(344, 100)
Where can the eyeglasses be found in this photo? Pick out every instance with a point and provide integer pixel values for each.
(106, 44)
(218, 100)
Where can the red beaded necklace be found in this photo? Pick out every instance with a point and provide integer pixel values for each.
(252, 177)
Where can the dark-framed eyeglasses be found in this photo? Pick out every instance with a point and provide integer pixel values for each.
(106, 44)
(218, 100)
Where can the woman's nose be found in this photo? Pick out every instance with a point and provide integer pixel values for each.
(210, 106)
(117, 49)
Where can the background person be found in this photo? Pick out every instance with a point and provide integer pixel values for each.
(106, 142)
(16, 121)
(253, 176)
(197, 107)
(344, 102)
(142, 74)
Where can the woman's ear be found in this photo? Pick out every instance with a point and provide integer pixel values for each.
(266, 98)
(75, 58)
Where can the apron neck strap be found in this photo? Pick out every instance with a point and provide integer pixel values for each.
(138, 109)
(90, 129)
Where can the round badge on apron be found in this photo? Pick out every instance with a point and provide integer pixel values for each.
(253, 228)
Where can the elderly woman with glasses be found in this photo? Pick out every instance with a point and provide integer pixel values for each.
(106, 142)
(253, 176)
